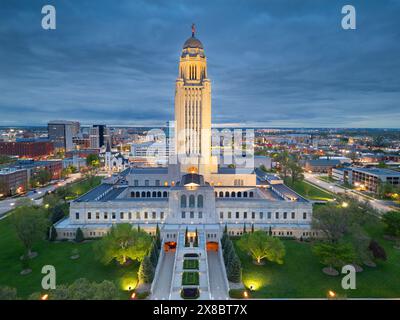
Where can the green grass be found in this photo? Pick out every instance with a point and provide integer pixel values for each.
(190, 278)
(191, 264)
(301, 277)
(309, 191)
(58, 255)
(327, 179)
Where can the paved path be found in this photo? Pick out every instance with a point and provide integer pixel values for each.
(218, 288)
(162, 287)
(334, 188)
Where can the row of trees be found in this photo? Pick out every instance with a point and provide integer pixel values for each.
(149, 264)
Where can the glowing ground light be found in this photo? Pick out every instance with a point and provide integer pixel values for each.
(345, 204)
(245, 294)
(331, 294)
(44, 297)
(133, 295)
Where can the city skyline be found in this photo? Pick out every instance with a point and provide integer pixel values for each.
(290, 66)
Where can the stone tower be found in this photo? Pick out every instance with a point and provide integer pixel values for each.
(193, 110)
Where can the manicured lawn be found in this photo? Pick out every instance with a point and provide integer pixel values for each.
(309, 191)
(326, 179)
(190, 278)
(301, 276)
(58, 255)
(191, 264)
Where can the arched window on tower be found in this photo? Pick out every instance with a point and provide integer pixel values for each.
(200, 201)
(221, 194)
(143, 194)
(183, 201)
(191, 201)
(227, 194)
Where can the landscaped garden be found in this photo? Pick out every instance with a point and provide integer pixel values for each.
(107, 268)
(59, 255)
(367, 243)
(190, 278)
(191, 264)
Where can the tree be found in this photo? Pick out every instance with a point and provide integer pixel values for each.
(58, 212)
(391, 220)
(223, 239)
(105, 290)
(158, 237)
(226, 229)
(82, 289)
(334, 254)
(79, 237)
(8, 293)
(53, 233)
(261, 246)
(296, 171)
(30, 225)
(146, 271)
(283, 159)
(123, 243)
(332, 221)
(252, 228)
(93, 160)
(377, 250)
(41, 177)
(154, 255)
(244, 228)
(234, 271)
(227, 250)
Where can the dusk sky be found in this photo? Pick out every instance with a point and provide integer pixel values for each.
(272, 63)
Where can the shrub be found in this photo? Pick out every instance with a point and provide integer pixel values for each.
(377, 250)
(146, 270)
(235, 270)
(53, 233)
(392, 223)
(190, 278)
(79, 235)
(8, 293)
(190, 293)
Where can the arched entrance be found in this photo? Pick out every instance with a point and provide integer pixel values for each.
(212, 246)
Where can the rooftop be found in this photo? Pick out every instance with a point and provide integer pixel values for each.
(378, 171)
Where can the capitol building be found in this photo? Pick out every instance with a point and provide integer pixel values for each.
(195, 191)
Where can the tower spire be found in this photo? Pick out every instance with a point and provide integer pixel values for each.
(193, 29)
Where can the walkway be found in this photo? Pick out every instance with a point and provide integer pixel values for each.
(162, 287)
(218, 288)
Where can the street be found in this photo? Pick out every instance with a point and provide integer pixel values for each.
(334, 188)
(10, 203)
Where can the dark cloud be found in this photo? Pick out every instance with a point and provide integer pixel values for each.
(280, 63)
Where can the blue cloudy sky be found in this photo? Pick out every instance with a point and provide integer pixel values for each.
(271, 62)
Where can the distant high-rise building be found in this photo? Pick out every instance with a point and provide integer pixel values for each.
(61, 133)
(99, 136)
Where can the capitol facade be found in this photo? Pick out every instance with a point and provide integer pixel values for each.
(196, 191)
